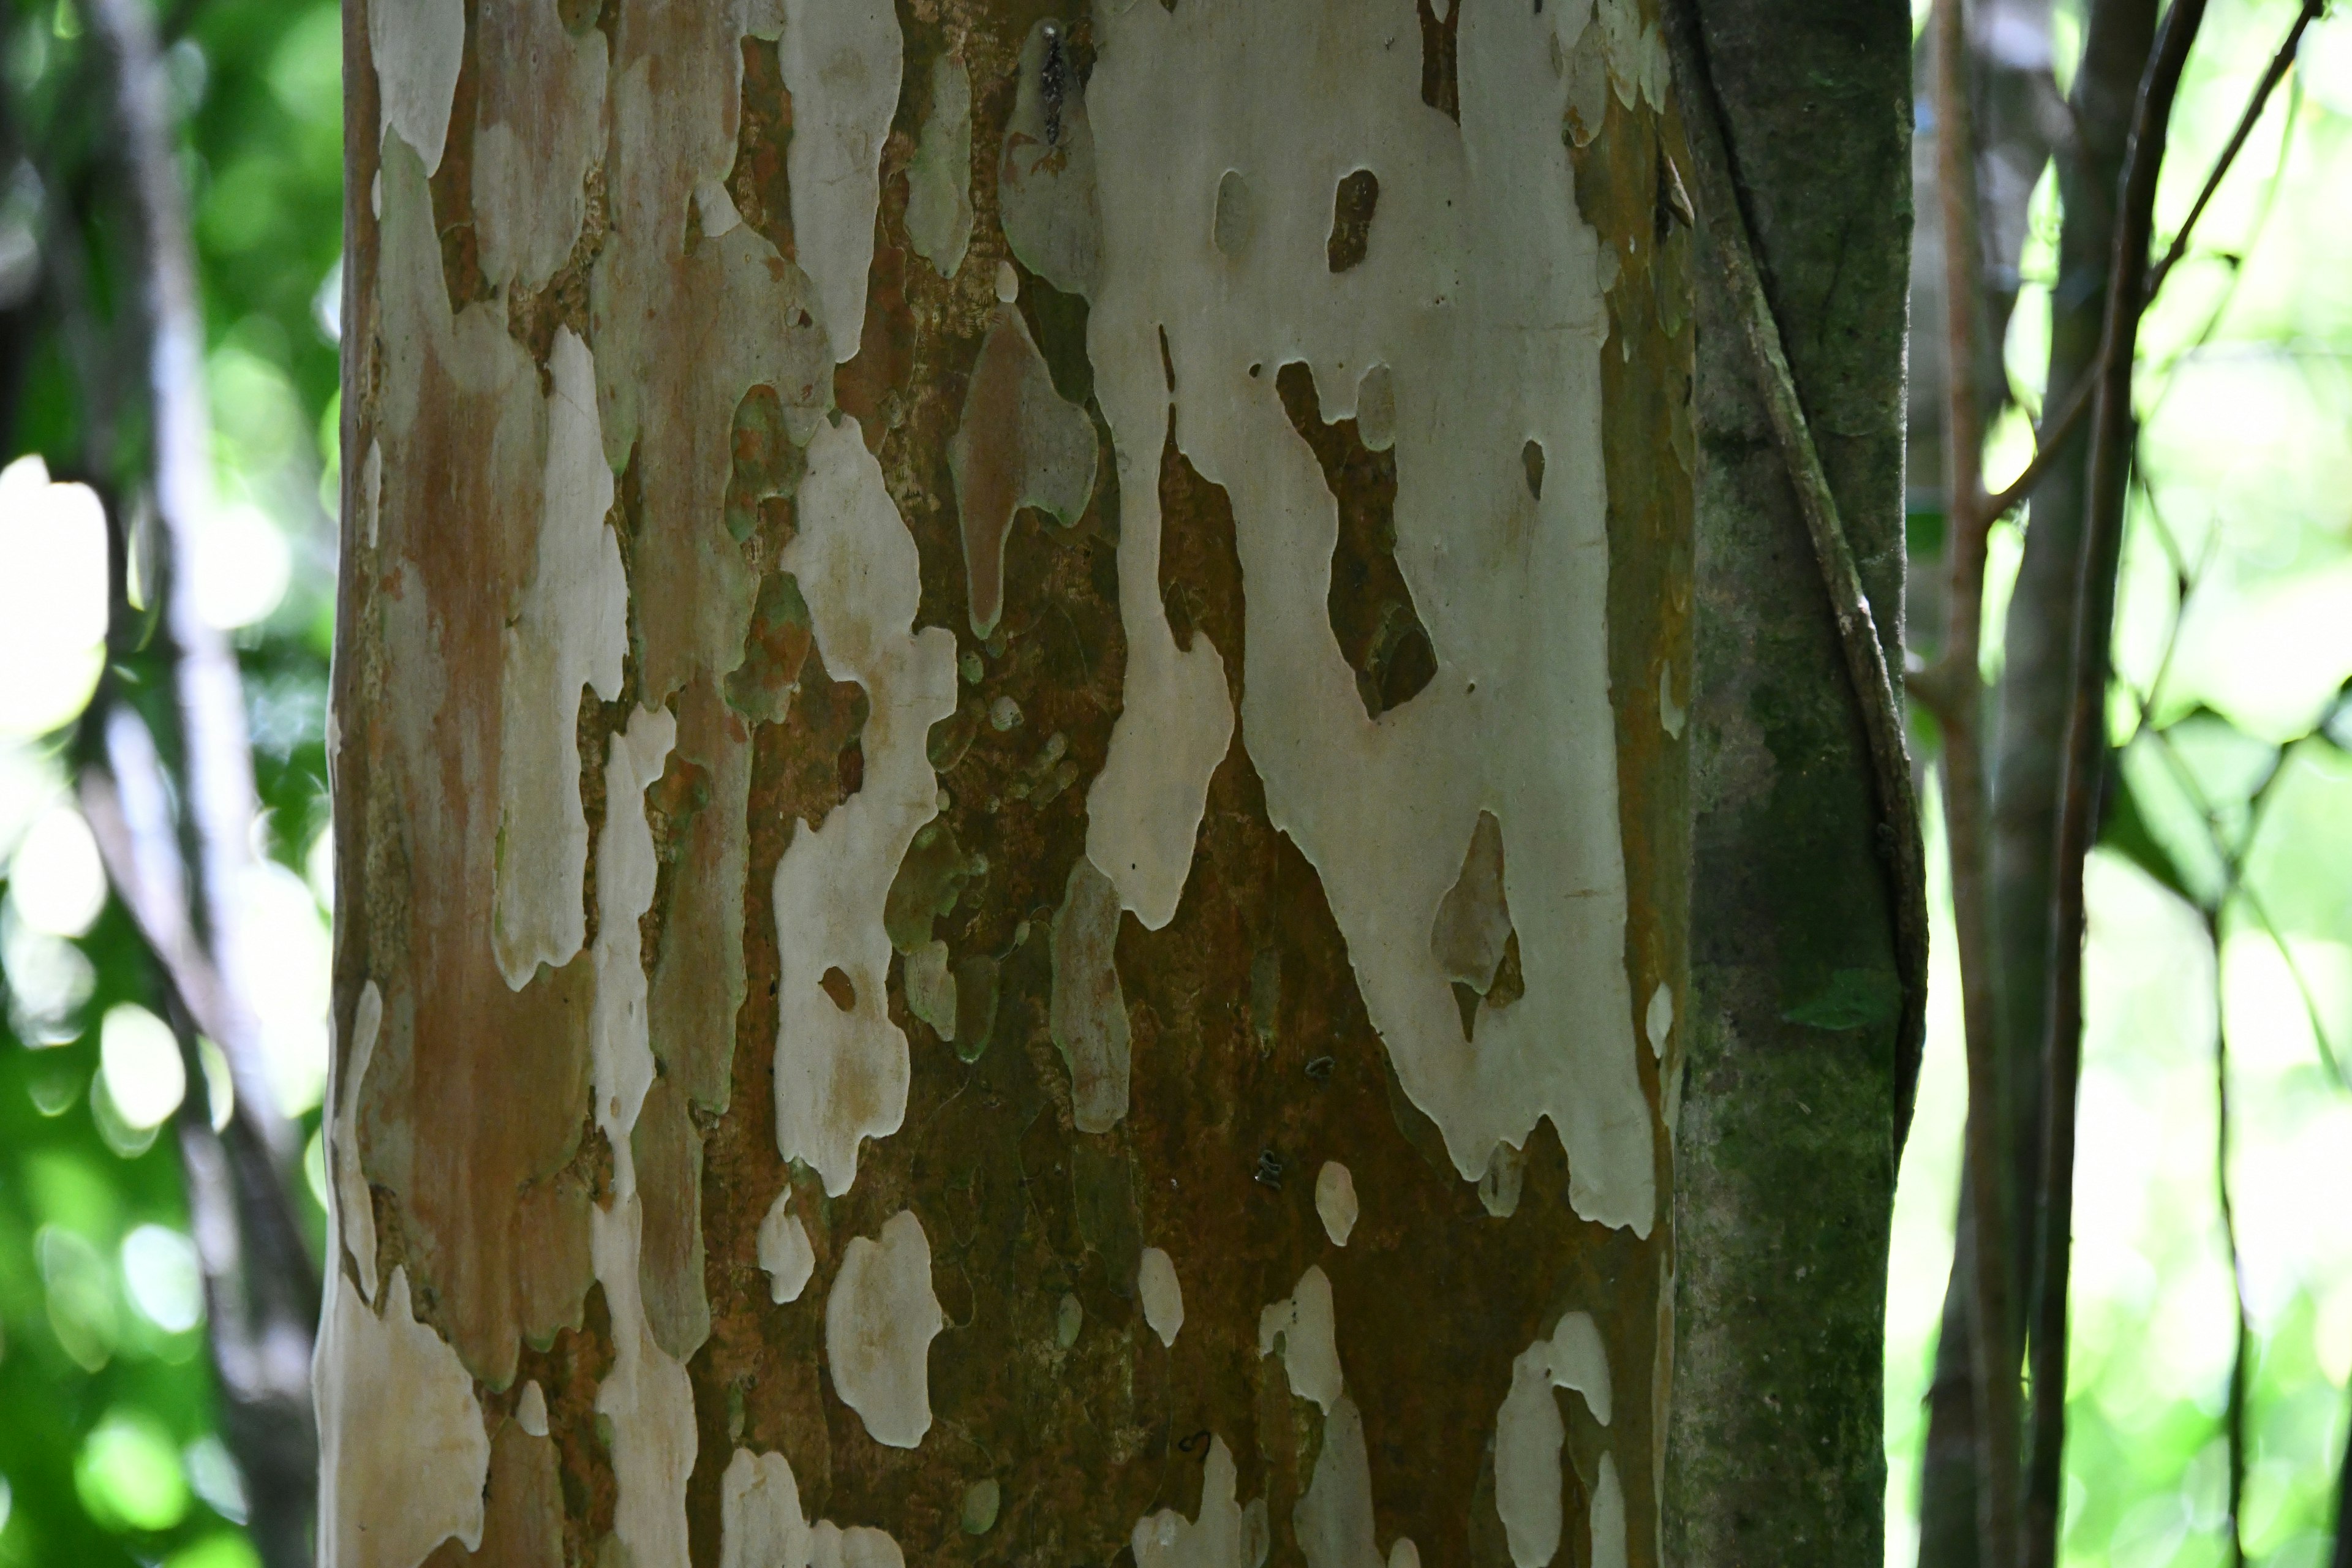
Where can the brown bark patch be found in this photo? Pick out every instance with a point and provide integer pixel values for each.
(1371, 608)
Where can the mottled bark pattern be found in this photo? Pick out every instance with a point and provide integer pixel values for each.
(579, 1170)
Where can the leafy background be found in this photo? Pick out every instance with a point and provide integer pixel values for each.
(2234, 641)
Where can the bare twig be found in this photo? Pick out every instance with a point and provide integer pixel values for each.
(2281, 62)
(2083, 761)
(2055, 429)
(2234, 1417)
(1858, 636)
(2048, 442)
(1956, 688)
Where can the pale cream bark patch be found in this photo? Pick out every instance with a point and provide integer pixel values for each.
(841, 1074)
(1528, 1434)
(879, 1321)
(938, 181)
(762, 1525)
(760, 1522)
(1480, 292)
(1658, 1023)
(842, 60)
(784, 1250)
(646, 1396)
(1087, 1012)
(1334, 1517)
(1302, 1329)
(352, 1215)
(1672, 715)
(1161, 1294)
(540, 125)
(419, 46)
(403, 1453)
(531, 1409)
(1335, 1201)
(571, 630)
(1223, 1537)
(1606, 1518)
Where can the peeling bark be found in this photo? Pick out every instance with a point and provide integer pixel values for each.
(981, 1069)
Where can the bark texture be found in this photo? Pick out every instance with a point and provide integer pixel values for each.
(1011, 758)
(1785, 1162)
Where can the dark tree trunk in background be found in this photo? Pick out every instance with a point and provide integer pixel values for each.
(1786, 1165)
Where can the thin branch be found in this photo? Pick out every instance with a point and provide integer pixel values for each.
(2281, 62)
(2053, 432)
(2047, 441)
(1872, 682)
(1958, 689)
(2234, 1417)
(2083, 763)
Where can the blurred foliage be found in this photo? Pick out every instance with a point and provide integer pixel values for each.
(107, 1447)
(2231, 798)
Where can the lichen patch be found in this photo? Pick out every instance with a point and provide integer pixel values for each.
(1088, 1012)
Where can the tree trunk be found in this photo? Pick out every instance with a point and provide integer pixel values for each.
(1011, 779)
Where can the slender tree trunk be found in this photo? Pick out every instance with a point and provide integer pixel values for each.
(1785, 1169)
(1011, 778)
(2031, 720)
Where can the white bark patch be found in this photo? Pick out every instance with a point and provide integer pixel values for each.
(1529, 1433)
(879, 1322)
(762, 1525)
(352, 1216)
(1404, 1554)
(841, 1076)
(1302, 1329)
(1162, 1294)
(931, 988)
(938, 181)
(646, 1396)
(539, 127)
(859, 1546)
(403, 1452)
(1018, 445)
(1221, 1536)
(1046, 181)
(1335, 1201)
(1659, 1022)
(1671, 713)
(784, 1250)
(571, 630)
(371, 487)
(531, 1409)
(1087, 1014)
(1334, 1517)
(1480, 293)
(1607, 1517)
(417, 47)
(842, 60)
